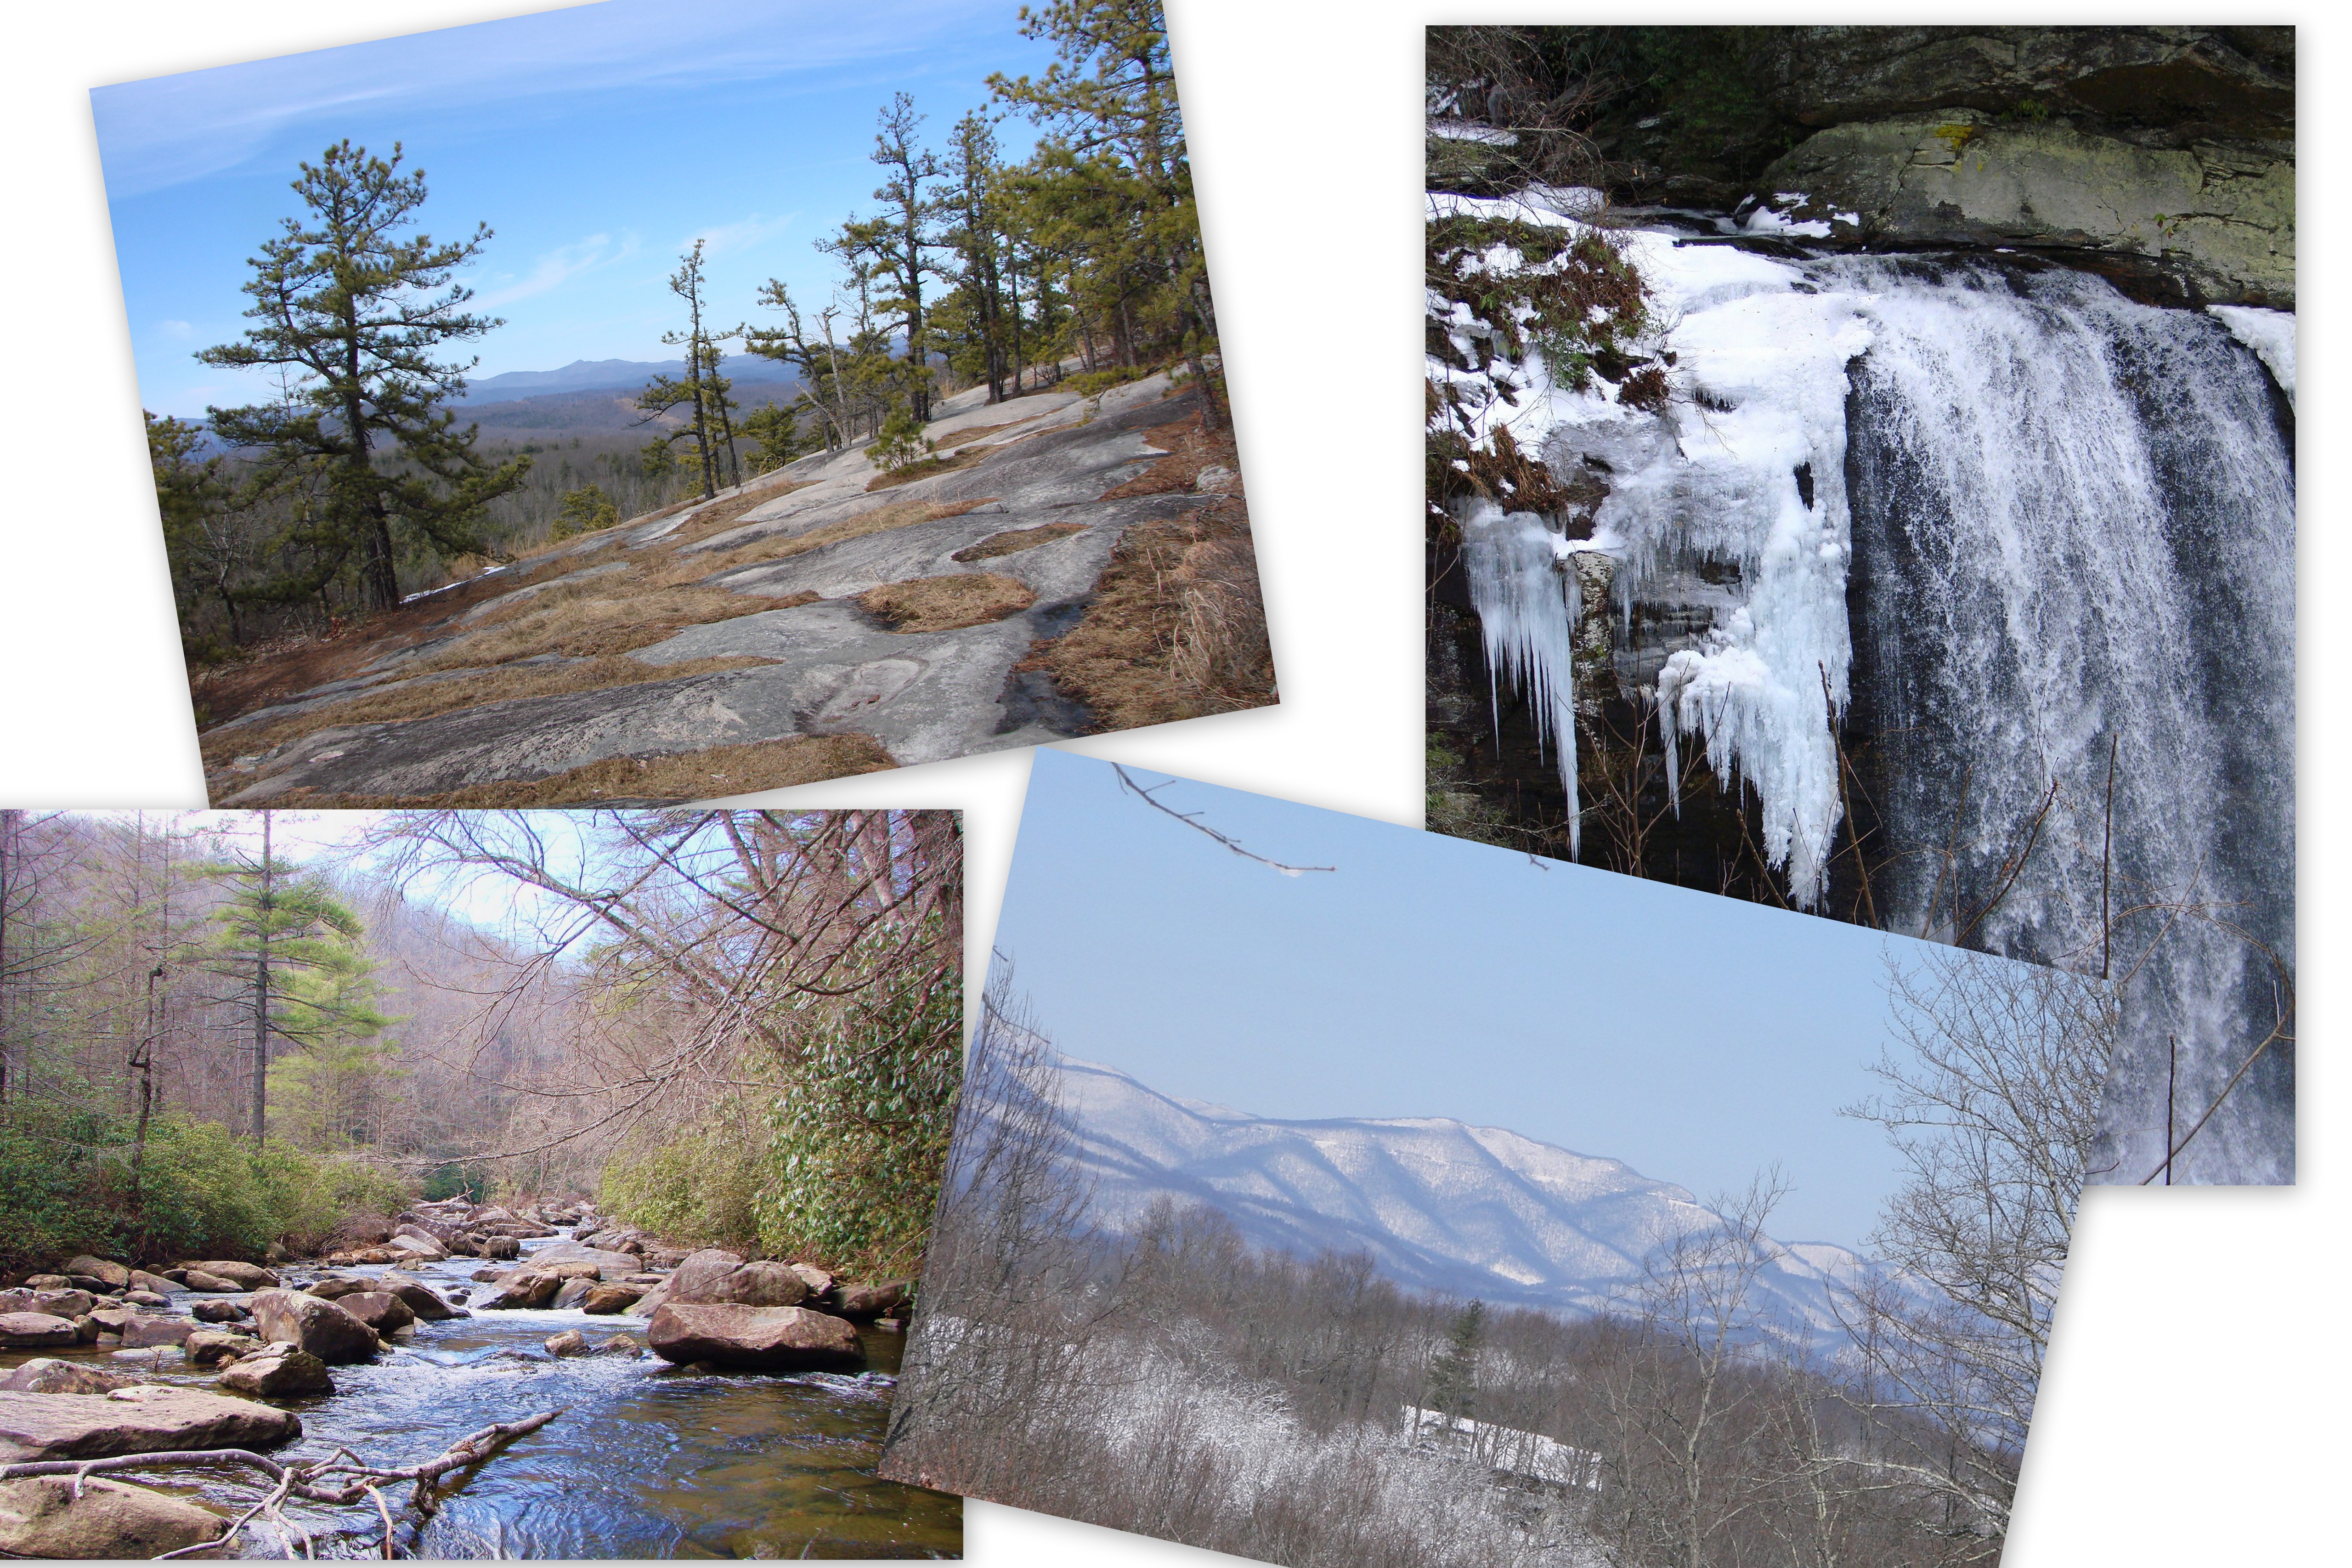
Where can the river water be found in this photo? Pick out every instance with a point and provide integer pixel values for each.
(646, 1461)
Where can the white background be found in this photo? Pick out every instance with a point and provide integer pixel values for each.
(2194, 1411)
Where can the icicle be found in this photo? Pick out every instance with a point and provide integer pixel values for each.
(1527, 602)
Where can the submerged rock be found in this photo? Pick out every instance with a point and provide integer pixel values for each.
(43, 1516)
(755, 1339)
(141, 1419)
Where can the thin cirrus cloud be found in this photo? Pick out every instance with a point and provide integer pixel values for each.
(557, 268)
(168, 130)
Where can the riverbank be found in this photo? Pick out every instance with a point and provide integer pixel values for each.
(646, 1456)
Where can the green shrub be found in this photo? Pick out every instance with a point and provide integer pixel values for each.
(66, 1186)
(902, 442)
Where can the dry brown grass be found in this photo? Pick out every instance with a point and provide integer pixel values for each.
(1018, 539)
(599, 618)
(1176, 628)
(947, 604)
(707, 774)
(1189, 451)
(410, 700)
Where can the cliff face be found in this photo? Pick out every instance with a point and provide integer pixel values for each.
(2161, 157)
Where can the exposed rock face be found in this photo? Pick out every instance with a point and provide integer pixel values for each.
(2232, 80)
(2218, 218)
(35, 1330)
(246, 1276)
(42, 1517)
(871, 1300)
(607, 1298)
(321, 1328)
(144, 1419)
(279, 1372)
(379, 1310)
(756, 1339)
(47, 1375)
(114, 1275)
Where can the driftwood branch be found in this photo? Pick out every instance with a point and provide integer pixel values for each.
(307, 1482)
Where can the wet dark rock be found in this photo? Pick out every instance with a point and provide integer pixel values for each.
(220, 1311)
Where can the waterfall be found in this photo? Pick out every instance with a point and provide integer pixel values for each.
(2027, 549)
(2073, 596)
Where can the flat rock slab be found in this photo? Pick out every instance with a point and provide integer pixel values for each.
(149, 1419)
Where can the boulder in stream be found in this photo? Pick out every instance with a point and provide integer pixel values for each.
(210, 1347)
(418, 1297)
(702, 1272)
(44, 1516)
(572, 1254)
(335, 1287)
(114, 1276)
(66, 1303)
(146, 1418)
(203, 1280)
(143, 1331)
(220, 1311)
(572, 1293)
(379, 1310)
(142, 1280)
(35, 1330)
(817, 1280)
(753, 1339)
(152, 1298)
(321, 1328)
(247, 1276)
(607, 1298)
(524, 1288)
(47, 1375)
(871, 1300)
(277, 1372)
(570, 1342)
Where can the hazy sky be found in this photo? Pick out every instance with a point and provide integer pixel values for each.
(1697, 1039)
(598, 142)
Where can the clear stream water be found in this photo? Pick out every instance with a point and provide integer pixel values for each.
(645, 1462)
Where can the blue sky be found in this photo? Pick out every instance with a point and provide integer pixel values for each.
(598, 142)
(1697, 1038)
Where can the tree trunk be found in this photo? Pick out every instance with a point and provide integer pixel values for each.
(261, 989)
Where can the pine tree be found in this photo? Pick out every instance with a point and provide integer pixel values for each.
(351, 311)
(284, 938)
(701, 389)
(1454, 1376)
(901, 241)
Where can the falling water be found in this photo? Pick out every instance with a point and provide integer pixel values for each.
(2027, 548)
(2072, 598)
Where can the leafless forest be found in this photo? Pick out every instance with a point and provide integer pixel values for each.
(742, 1027)
(1175, 1382)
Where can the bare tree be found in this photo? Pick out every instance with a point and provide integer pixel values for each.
(1992, 1086)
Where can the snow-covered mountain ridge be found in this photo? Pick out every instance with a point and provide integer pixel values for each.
(1439, 1205)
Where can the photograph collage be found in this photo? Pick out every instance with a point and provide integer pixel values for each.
(769, 838)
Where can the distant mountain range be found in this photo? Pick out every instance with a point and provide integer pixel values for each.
(1438, 1204)
(609, 374)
